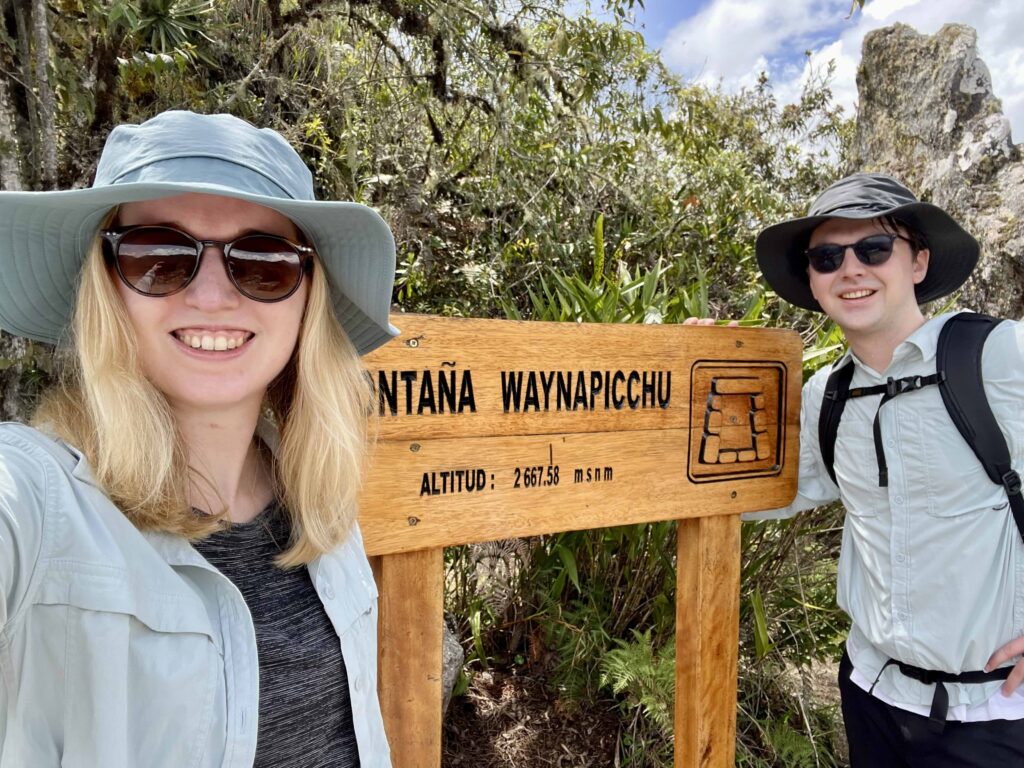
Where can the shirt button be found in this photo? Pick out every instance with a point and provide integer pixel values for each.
(901, 558)
(902, 616)
(328, 590)
(898, 499)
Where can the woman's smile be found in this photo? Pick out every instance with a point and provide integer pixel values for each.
(211, 340)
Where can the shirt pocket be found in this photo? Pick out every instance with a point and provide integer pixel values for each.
(856, 467)
(949, 477)
(143, 669)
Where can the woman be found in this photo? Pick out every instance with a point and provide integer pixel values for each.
(182, 579)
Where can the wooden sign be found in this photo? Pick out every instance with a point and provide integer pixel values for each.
(494, 429)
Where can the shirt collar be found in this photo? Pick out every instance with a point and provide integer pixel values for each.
(925, 340)
(175, 549)
(81, 470)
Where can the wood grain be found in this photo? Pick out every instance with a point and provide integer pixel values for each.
(633, 477)
(707, 638)
(410, 635)
(433, 349)
(721, 440)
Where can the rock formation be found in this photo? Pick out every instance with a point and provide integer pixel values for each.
(23, 369)
(927, 115)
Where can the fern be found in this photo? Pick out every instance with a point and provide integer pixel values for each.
(793, 748)
(644, 677)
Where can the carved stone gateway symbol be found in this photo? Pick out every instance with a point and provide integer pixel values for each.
(734, 402)
(737, 418)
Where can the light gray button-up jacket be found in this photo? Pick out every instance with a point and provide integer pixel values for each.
(125, 649)
(932, 566)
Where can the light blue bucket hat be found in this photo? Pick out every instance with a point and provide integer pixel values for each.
(44, 236)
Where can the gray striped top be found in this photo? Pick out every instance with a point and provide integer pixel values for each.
(305, 714)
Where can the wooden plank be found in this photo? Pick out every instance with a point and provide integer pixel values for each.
(455, 377)
(410, 635)
(493, 429)
(707, 637)
(714, 424)
(490, 488)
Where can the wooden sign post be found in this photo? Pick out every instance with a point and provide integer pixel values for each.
(494, 429)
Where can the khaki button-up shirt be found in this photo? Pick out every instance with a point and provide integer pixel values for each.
(122, 649)
(932, 567)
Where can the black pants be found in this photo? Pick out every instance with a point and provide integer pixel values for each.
(882, 736)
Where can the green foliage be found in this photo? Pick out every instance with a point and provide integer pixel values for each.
(793, 749)
(163, 25)
(788, 620)
(762, 640)
(644, 680)
(25, 372)
(783, 723)
(645, 294)
(593, 588)
(788, 574)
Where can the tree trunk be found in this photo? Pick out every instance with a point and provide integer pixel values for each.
(28, 125)
(47, 122)
(10, 173)
(11, 144)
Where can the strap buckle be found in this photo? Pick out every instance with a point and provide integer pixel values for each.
(895, 387)
(1012, 483)
(899, 386)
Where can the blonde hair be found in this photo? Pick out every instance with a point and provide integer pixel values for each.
(106, 407)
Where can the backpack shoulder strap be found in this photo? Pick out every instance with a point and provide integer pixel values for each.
(836, 389)
(958, 361)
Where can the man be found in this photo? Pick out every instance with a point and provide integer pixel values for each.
(931, 571)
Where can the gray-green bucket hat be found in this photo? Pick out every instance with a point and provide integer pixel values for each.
(780, 248)
(44, 236)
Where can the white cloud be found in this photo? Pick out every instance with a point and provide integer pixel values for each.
(881, 9)
(731, 41)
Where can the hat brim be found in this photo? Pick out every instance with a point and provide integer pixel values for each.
(44, 237)
(953, 252)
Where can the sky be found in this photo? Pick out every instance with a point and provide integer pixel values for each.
(729, 42)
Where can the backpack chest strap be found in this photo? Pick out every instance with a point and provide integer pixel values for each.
(958, 359)
(889, 390)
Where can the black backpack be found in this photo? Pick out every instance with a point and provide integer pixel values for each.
(961, 342)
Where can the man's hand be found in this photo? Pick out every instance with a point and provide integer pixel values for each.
(1008, 651)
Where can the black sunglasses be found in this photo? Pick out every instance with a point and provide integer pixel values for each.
(871, 250)
(160, 261)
